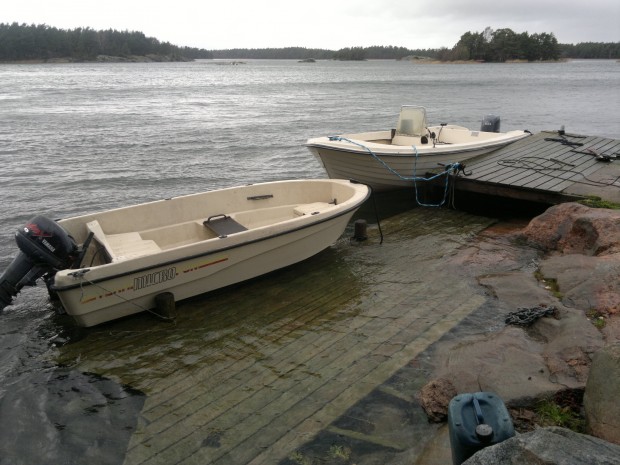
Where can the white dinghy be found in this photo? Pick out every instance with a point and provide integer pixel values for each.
(391, 159)
(186, 245)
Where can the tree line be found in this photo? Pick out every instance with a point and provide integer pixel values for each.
(290, 53)
(504, 45)
(591, 50)
(299, 53)
(43, 42)
(377, 52)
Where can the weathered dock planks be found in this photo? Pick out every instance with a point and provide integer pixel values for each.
(549, 168)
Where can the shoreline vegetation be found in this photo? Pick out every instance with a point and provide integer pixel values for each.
(224, 61)
(34, 44)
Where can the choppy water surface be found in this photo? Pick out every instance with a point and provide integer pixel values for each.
(76, 138)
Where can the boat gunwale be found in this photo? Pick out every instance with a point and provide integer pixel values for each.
(408, 150)
(411, 152)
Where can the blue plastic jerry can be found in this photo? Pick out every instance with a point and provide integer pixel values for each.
(476, 421)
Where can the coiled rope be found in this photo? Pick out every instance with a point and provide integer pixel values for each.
(450, 168)
(527, 316)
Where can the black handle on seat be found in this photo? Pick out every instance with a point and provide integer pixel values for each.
(217, 216)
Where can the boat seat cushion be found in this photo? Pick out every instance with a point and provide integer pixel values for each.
(223, 225)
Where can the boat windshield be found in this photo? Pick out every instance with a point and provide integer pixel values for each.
(412, 121)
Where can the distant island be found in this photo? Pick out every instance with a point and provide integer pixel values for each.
(43, 43)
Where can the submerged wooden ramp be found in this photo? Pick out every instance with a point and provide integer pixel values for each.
(249, 374)
(548, 167)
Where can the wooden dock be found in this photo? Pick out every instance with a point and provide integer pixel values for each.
(549, 168)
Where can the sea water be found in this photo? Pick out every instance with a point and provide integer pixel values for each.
(77, 138)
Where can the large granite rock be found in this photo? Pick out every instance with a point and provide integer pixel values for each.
(601, 403)
(521, 368)
(549, 446)
(572, 228)
(579, 247)
(508, 362)
(586, 282)
(569, 344)
(584, 254)
(522, 364)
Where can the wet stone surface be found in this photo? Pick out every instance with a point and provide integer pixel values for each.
(64, 416)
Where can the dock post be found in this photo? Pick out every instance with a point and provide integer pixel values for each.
(164, 304)
(361, 230)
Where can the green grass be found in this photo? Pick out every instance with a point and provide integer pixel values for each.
(549, 283)
(299, 458)
(596, 318)
(552, 414)
(340, 452)
(597, 202)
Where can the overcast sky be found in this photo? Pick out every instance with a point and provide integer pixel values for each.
(328, 24)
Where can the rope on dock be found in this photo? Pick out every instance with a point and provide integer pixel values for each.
(450, 168)
(536, 164)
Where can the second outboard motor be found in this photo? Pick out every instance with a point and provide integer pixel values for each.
(45, 247)
(490, 123)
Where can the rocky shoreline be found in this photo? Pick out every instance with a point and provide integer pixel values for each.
(567, 260)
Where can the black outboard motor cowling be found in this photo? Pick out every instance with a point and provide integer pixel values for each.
(490, 123)
(45, 247)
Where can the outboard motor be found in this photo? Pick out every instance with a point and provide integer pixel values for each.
(45, 247)
(490, 123)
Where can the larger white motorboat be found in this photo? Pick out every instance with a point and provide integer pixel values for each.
(392, 159)
(114, 263)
